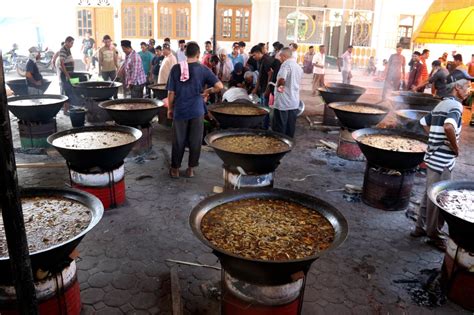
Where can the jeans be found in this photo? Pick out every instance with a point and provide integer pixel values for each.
(69, 91)
(284, 121)
(187, 133)
(429, 217)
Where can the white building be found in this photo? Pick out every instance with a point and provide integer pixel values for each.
(374, 27)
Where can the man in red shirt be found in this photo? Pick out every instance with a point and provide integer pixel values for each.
(424, 69)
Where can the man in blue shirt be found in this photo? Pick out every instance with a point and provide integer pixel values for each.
(235, 55)
(147, 58)
(34, 79)
(186, 106)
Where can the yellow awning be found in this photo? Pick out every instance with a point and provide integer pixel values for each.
(447, 22)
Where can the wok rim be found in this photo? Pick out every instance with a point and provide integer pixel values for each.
(211, 137)
(399, 113)
(61, 99)
(444, 185)
(388, 131)
(105, 104)
(275, 193)
(212, 107)
(336, 106)
(90, 201)
(120, 128)
(85, 85)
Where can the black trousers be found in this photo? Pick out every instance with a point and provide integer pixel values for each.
(108, 75)
(284, 121)
(187, 133)
(136, 91)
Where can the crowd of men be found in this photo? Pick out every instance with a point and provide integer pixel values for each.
(192, 80)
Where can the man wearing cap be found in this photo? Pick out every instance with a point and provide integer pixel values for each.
(180, 54)
(287, 94)
(443, 125)
(132, 70)
(34, 79)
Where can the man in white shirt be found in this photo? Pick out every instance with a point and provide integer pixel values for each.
(319, 61)
(166, 65)
(294, 52)
(180, 56)
(287, 94)
(346, 60)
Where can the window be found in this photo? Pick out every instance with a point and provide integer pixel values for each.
(174, 20)
(137, 18)
(405, 30)
(233, 23)
(84, 22)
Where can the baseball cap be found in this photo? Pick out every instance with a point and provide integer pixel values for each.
(457, 75)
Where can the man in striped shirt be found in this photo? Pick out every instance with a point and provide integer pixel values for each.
(444, 127)
(66, 68)
(132, 69)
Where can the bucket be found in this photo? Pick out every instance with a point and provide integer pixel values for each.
(78, 117)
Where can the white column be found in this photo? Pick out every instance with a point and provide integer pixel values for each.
(155, 21)
(202, 17)
(117, 4)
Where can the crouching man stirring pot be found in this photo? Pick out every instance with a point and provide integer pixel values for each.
(443, 125)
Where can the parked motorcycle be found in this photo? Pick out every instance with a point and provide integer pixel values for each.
(44, 64)
(10, 59)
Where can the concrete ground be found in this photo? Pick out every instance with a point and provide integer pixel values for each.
(122, 264)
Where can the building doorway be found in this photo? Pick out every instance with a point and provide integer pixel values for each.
(98, 21)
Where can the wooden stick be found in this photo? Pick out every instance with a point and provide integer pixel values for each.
(329, 144)
(180, 262)
(176, 305)
(12, 213)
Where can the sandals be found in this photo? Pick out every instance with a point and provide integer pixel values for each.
(439, 244)
(173, 173)
(189, 172)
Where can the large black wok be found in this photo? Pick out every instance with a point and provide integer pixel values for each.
(340, 92)
(106, 158)
(49, 258)
(461, 231)
(250, 163)
(132, 117)
(386, 158)
(238, 121)
(36, 107)
(100, 90)
(414, 100)
(159, 91)
(354, 120)
(20, 88)
(410, 116)
(264, 271)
